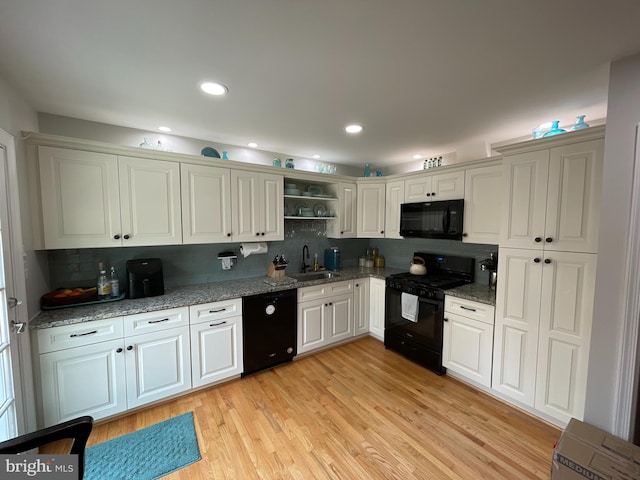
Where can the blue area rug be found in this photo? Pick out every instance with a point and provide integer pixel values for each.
(146, 454)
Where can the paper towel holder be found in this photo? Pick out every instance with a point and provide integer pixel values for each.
(228, 259)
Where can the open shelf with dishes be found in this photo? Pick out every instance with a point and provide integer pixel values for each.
(308, 201)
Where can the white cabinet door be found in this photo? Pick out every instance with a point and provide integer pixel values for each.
(371, 210)
(88, 380)
(568, 285)
(206, 204)
(150, 202)
(158, 365)
(272, 203)
(361, 306)
(525, 200)
(312, 325)
(468, 347)
(257, 206)
(377, 290)
(447, 186)
(483, 199)
(80, 198)
(394, 197)
(340, 318)
(517, 323)
(443, 186)
(345, 224)
(216, 350)
(573, 197)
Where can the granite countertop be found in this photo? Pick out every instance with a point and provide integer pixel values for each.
(477, 292)
(191, 295)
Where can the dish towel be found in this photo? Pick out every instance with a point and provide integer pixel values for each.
(247, 249)
(410, 307)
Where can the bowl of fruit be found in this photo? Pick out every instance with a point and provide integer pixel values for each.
(68, 296)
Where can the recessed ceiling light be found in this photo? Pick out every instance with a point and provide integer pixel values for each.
(253, 145)
(316, 156)
(164, 129)
(353, 128)
(417, 156)
(213, 88)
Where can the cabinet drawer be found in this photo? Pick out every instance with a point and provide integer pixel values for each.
(470, 309)
(323, 290)
(155, 321)
(79, 334)
(215, 310)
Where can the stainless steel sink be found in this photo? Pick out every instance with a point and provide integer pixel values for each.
(307, 277)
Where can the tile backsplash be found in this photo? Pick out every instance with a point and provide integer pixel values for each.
(197, 264)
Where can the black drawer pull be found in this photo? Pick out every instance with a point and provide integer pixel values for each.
(218, 311)
(74, 335)
(467, 308)
(217, 324)
(158, 321)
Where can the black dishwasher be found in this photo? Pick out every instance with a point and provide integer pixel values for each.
(269, 326)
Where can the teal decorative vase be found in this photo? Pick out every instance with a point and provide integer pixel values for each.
(367, 170)
(555, 129)
(580, 123)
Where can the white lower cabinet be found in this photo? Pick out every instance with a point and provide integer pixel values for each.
(216, 341)
(325, 315)
(468, 339)
(105, 367)
(377, 290)
(361, 306)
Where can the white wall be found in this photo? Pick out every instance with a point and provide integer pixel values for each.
(622, 117)
(15, 116)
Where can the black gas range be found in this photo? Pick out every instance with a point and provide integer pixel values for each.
(414, 308)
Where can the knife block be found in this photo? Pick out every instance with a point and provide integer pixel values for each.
(275, 272)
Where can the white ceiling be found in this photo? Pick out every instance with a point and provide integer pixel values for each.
(422, 76)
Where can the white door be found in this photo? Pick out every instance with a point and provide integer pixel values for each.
(150, 202)
(482, 205)
(340, 318)
(245, 191)
(377, 288)
(447, 186)
(17, 409)
(371, 210)
(394, 197)
(361, 306)
(216, 350)
(272, 203)
(348, 202)
(312, 318)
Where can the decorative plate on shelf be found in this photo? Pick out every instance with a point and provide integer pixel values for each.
(209, 152)
(314, 190)
(320, 210)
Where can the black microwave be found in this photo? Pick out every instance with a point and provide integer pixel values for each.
(441, 220)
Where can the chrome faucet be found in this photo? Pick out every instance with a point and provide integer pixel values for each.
(304, 267)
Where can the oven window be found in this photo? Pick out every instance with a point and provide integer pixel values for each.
(427, 330)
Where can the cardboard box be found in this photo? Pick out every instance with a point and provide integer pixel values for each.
(585, 451)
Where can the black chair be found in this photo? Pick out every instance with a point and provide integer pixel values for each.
(77, 430)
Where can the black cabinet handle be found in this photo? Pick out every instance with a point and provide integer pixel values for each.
(228, 234)
(548, 239)
(547, 260)
(73, 335)
(116, 237)
(428, 194)
(433, 194)
(381, 231)
(537, 239)
(119, 350)
(263, 234)
(536, 260)
(158, 321)
(467, 308)
(126, 237)
(465, 235)
(217, 311)
(130, 347)
(445, 319)
(217, 324)
(257, 234)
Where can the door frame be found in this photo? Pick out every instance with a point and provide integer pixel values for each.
(21, 348)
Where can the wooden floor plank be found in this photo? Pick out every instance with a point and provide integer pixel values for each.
(357, 411)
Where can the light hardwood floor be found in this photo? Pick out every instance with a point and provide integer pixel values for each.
(356, 411)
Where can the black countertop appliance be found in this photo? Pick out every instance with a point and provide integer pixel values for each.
(144, 278)
(269, 326)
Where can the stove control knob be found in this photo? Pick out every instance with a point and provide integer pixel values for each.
(411, 290)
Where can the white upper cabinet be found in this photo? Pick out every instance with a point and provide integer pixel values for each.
(394, 197)
(482, 204)
(443, 186)
(257, 205)
(371, 210)
(344, 226)
(206, 204)
(100, 200)
(552, 198)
